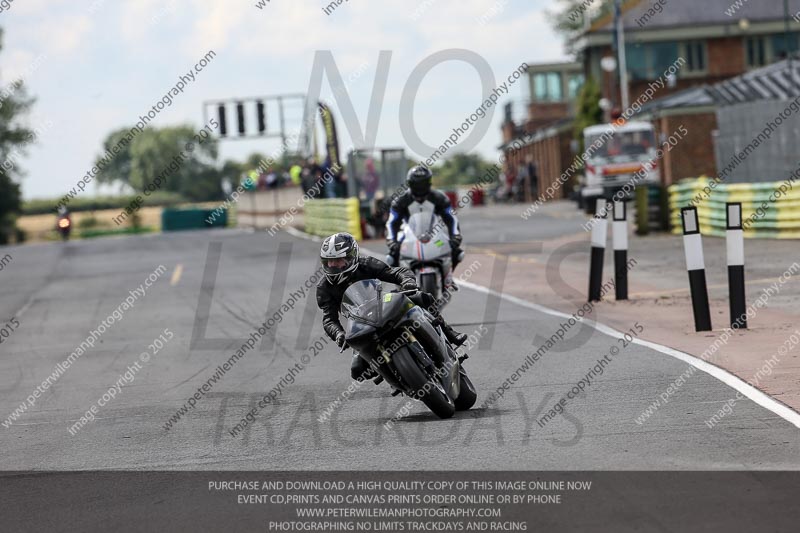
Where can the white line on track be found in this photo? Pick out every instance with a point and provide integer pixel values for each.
(765, 401)
(176, 274)
(734, 382)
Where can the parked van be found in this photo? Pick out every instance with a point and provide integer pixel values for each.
(628, 154)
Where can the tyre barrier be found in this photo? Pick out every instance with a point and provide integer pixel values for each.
(778, 218)
(333, 215)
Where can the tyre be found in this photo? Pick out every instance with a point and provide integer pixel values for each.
(430, 391)
(427, 283)
(466, 394)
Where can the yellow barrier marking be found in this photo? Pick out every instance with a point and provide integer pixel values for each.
(176, 275)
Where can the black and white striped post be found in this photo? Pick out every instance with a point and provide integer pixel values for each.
(734, 237)
(599, 237)
(695, 264)
(619, 232)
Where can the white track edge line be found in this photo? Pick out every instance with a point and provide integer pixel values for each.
(731, 380)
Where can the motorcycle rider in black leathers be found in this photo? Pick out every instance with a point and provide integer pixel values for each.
(419, 182)
(343, 266)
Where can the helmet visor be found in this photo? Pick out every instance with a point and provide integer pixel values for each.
(337, 265)
(420, 187)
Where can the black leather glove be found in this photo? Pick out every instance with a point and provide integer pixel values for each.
(409, 286)
(394, 247)
(455, 241)
(340, 340)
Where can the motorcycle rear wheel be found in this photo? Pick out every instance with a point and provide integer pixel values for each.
(430, 391)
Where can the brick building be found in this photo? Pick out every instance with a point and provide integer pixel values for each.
(543, 137)
(716, 41)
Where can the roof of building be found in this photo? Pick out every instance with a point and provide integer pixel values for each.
(692, 97)
(773, 82)
(696, 13)
(559, 65)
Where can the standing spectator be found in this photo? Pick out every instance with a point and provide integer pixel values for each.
(311, 178)
(306, 178)
(533, 175)
(330, 181)
(511, 178)
(521, 181)
(295, 174)
(272, 179)
(341, 185)
(371, 180)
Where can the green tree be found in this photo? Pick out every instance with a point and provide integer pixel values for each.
(118, 169)
(569, 18)
(587, 108)
(254, 161)
(10, 206)
(171, 156)
(587, 113)
(14, 137)
(461, 169)
(232, 170)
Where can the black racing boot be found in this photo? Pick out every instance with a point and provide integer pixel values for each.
(455, 338)
(360, 369)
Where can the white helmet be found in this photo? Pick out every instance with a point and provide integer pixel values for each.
(339, 246)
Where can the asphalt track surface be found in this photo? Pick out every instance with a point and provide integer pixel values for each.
(59, 292)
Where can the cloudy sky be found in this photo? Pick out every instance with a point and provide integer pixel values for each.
(96, 65)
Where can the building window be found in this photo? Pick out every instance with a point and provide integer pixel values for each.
(779, 47)
(574, 84)
(756, 48)
(664, 55)
(761, 50)
(636, 58)
(554, 86)
(649, 61)
(547, 87)
(695, 54)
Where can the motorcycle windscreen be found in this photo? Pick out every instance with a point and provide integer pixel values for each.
(421, 224)
(360, 301)
(432, 234)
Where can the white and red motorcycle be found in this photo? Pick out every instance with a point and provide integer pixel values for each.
(425, 250)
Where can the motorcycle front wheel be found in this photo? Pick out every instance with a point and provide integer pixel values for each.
(427, 389)
(467, 395)
(427, 283)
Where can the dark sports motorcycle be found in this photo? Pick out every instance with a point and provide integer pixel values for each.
(398, 340)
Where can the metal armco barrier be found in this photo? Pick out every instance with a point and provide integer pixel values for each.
(326, 216)
(781, 220)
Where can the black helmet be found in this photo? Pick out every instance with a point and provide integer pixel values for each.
(419, 181)
(335, 248)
